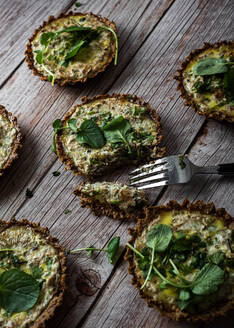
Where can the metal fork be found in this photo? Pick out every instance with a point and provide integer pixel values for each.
(173, 170)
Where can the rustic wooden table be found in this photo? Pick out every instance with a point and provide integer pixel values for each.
(155, 37)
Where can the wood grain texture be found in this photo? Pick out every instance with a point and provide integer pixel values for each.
(155, 36)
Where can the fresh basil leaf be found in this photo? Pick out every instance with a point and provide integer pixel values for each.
(19, 291)
(217, 258)
(74, 50)
(90, 134)
(210, 66)
(112, 249)
(72, 124)
(45, 38)
(208, 279)
(57, 124)
(159, 237)
(184, 295)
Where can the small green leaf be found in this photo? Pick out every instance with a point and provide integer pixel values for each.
(57, 124)
(210, 66)
(159, 237)
(183, 304)
(72, 124)
(78, 4)
(45, 38)
(19, 291)
(218, 258)
(56, 173)
(36, 272)
(67, 211)
(184, 295)
(74, 50)
(90, 134)
(112, 249)
(208, 279)
(39, 56)
(29, 193)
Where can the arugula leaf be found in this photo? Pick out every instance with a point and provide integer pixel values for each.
(78, 28)
(159, 237)
(208, 279)
(73, 51)
(19, 291)
(90, 134)
(118, 131)
(210, 66)
(115, 38)
(45, 38)
(112, 248)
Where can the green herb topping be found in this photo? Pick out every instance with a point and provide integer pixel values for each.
(211, 66)
(56, 173)
(67, 211)
(29, 193)
(181, 162)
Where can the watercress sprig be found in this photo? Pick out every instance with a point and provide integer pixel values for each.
(111, 250)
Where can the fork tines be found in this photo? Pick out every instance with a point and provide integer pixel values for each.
(155, 173)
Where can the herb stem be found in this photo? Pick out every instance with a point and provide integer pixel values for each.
(135, 250)
(87, 249)
(116, 41)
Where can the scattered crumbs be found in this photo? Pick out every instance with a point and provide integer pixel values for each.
(67, 211)
(181, 161)
(171, 98)
(29, 193)
(56, 173)
(78, 4)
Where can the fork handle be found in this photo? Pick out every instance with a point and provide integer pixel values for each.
(225, 169)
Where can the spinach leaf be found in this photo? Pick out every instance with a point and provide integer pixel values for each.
(112, 249)
(208, 279)
(19, 291)
(159, 237)
(118, 131)
(90, 134)
(210, 66)
(73, 51)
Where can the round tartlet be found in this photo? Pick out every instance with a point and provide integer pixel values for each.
(112, 199)
(95, 162)
(214, 227)
(86, 64)
(10, 139)
(34, 248)
(207, 94)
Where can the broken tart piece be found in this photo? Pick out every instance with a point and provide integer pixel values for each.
(10, 139)
(106, 132)
(206, 80)
(32, 274)
(181, 260)
(112, 199)
(72, 48)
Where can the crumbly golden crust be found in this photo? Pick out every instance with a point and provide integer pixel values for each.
(18, 140)
(109, 210)
(62, 82)
(151, 212)
(69, 164)
(58, 298)
(188, 100)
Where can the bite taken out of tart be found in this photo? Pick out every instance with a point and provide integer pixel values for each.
(181, 260)
(112, 199)
(206, 80)
(106, 132)
(72, 48)
(32, 274)
(10, 139)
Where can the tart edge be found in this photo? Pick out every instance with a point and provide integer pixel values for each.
(17, 142)
(199, 205)
(29, 54)
(69, 164)
(57, 300)
(188, 100)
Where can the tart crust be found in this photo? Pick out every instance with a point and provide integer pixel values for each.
(188, 100)
(69, 164)
(112, 211)
(151, 212)
(17, 145)
(56, 301)
(61, 82)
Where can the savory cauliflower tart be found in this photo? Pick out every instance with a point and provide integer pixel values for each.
(107, 132)
(72, 48)
(112, 199)
(32, 274)
(206, 80)
(10, 139)
(181, 260)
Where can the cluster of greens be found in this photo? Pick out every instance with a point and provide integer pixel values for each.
(166, 251)
(117, 131)
(80, 38)
(217, 74)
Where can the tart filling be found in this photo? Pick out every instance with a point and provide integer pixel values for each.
(107, 131)
(72, 47)
(10, 138)
(113, 199)
(207, 79)
(29, 249)
(181, 260)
